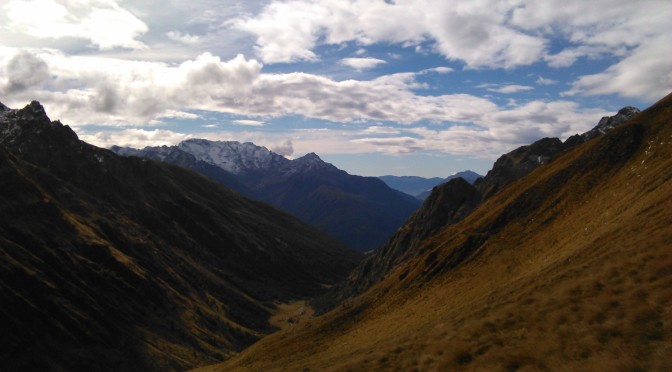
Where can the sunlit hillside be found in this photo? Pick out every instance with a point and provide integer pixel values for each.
(569, 268)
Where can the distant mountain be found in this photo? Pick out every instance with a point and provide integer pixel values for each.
(420, 187)
(567, 267)
(115, 263)
(411, 185)
(362, 212)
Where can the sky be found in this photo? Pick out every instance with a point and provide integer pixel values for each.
(406, 87)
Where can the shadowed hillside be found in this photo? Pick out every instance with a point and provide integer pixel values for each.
(568, 268)
(113, 263)
(362, 212)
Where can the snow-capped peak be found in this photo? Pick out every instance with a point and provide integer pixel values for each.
(232, 156)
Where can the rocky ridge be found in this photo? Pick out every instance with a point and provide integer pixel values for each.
(451, 202)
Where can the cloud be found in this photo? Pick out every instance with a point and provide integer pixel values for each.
(396, 145)
(505, 89)
(25, 70)
(86, 90)
(568, 56)
(479, 33)
(361, 63)
(646, 73)
(104, 22)
(183, 38)
(379, 129)
(285, 148)
(439, 70)
(496, 132)
(545, 81)
(247, 122)
(453, 30)
(135, 138)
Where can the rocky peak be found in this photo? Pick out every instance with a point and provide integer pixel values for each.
(233, 156)
(309, 158)
(609, 122)
(310, 161)
(31, 125)
(518, 163)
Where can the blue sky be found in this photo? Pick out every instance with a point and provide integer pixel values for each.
(376, 87)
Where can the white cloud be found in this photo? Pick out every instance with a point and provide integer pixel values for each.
(505, 89)
(480, 33)
(497, 131)
(454, 29)
(545, 81)
(380, 129)
(394, 145)
(285, 148)
(247, 122)
(646, 73)
(136, 138)
(361, 63)
(25, 70)
(103, 22)
(173, 114)
(439, 70)
(183, 38)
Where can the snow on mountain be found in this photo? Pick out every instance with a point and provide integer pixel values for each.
(233, 156)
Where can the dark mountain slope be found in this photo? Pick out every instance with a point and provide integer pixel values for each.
(448, 203)
(569, 266)
(362, 212)
(113, 263)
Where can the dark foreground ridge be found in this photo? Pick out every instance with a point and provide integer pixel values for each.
(114, 263)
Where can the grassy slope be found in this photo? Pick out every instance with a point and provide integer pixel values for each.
(567, 269)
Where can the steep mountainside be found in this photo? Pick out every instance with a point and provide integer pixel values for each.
(114, 263)
(362, 212)
(451, 202)
(420, 187)
(567, 268)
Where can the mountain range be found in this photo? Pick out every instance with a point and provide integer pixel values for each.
(557, 259)
(421, 187)
(362, 212)
(116, 263)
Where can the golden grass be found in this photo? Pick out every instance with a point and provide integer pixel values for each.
(582, 282)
